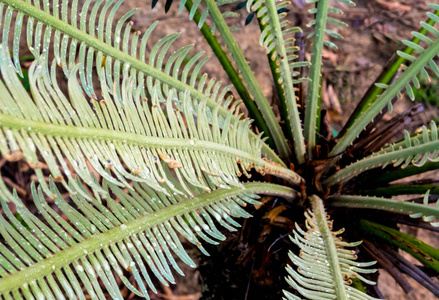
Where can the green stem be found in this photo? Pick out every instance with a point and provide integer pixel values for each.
(426, 254)
(249, 78)
(98, 241)
(232, 74)
(388, 74)
(312, 109)
(377, 160)
(383, 204)
(65, 131)
(330, 247)
(108, 50)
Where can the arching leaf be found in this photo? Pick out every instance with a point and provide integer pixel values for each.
(80, 241)
(417, 150)
(77, 31)
(137, 139)
(429, 213)
(409, 77)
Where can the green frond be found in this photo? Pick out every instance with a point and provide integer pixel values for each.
(415, 210)
(400, 189)
(313, 105)
(136, 138)
(419, 63)
(324, 265)
(388, 73)
(416, 150)
(424, 253)
(391, 175)
(276, 39)
(80, 241)
(121, 53)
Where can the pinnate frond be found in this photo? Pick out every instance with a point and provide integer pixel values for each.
(426, 136)
(85, 36)
(313, 106)
(418, 50)
(137, 139)
(324, 265)
(75, 245)
(416, 150)
(422, 60)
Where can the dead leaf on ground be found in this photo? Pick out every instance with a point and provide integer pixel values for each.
(393, 5)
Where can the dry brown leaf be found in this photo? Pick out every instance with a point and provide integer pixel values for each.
(393, 5)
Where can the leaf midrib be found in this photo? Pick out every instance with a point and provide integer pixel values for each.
(330, 247)
(99, 241)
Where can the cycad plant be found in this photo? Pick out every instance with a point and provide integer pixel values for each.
(135, 149)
